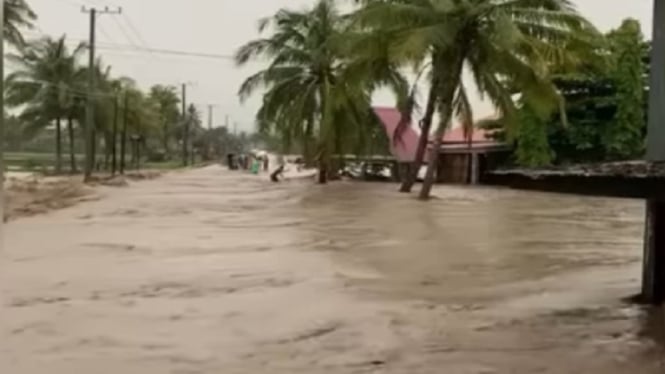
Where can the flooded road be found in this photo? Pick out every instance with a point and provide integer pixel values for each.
(209, 271)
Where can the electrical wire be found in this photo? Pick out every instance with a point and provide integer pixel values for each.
(125, 33)
(134, 30)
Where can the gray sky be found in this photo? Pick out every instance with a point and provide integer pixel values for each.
(220, 27)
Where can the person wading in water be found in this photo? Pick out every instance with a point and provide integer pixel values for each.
(274, 176)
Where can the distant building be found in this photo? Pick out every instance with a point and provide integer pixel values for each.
(462, 159)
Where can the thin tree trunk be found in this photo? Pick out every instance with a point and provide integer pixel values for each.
(58, 146)
(107, 150)
(414, 169)
(326, 134)
(323, 173)
(165, 141)
(72, 146)
(307, 143)
(93, 150)
(449, 86)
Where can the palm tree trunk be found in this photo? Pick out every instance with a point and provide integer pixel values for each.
(107, 149)
(412, 172)
(327, 135)
(323, 173)
(449, 84)
(307, 143)
(93, 150)
(165, 141)
(58, 146)
(72, 150)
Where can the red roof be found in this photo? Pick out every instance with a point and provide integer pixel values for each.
(404, 149)
(457, 136)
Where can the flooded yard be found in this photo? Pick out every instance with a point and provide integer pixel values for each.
(210, 271)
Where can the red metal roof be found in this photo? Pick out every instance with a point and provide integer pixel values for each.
(457, 136)
(404, 149)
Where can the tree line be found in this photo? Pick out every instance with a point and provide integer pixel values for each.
(605, 106)
(46, 94)
(324, 65)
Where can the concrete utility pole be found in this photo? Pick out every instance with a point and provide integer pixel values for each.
(114, 165)
(90, 104)
(2, 121)
(211, 107)
(123, 136)
(653, 273)
(185, 120)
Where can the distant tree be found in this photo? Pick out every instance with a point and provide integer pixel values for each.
(167, 101)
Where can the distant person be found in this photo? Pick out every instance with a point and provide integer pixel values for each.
(279, 172)
(256, 165)
(266, 163)
(231, 161)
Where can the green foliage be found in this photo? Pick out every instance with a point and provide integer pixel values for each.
(625, 137)
(166, 101)
(508, 47)
(18, 15)
(604, 104)
(532, 147)
(318, 93)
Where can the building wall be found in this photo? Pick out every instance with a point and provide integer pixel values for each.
(453, 168)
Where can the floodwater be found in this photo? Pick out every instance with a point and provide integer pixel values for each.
(211, 271)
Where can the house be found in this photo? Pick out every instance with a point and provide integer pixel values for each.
(462, 159)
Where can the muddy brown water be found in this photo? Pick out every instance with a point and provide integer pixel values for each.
(212, 271)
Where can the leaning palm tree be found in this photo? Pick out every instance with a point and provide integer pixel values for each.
(501, 43)
(17, 15)
(315, 93)
(45, 83)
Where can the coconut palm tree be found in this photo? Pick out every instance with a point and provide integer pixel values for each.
(316, 93)
(18, 15)
(501, 43)
(46, 82)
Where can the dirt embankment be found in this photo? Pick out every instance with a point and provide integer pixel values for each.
(32, 194)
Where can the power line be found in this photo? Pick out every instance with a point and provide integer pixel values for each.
(102, 29)
(138, 49)
(134, 30)
(125, 33)
(171, 52)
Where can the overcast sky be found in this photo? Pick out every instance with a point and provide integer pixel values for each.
(220, 27)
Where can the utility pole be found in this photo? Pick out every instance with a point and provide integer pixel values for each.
(185, 119)
(114, 164)
(90, 104)
(123, 137)
(185, 124)
(2, 121)
(653, 266)
(210, 114)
